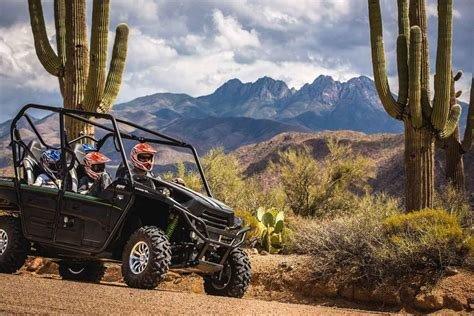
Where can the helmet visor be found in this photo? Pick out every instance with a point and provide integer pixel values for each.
(145, 157)
(98, 167)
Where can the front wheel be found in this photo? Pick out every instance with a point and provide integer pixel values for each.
(14, 247)
(234, 279)
(81, 270)
(146, 258)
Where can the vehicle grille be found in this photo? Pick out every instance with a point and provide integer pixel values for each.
(215, 220)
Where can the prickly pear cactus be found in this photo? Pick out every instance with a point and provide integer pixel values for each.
(271, 225)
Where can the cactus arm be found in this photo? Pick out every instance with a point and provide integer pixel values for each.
(417, 12)
(402, 50)
(402, 67)
(441, 103)
(392, 107)
(467, 140)
(117, 65)
(458, 75)
(415, 77)
(98, 54)
(45, 52)
(451, 122)
(60, 24)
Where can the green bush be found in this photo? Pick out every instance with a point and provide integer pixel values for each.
(322, 188)
(301, 180)
(425, 239)
(378, 241)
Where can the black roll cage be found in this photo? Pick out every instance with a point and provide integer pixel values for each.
(113, 131)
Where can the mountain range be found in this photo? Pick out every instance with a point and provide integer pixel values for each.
(324, 104)
(238, 114)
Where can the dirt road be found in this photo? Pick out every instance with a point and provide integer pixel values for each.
(33, 294)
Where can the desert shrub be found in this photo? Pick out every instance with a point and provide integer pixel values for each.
(331, 236)
(229, 185)
(329, 187)
(455, 202)
(301, 180)
(190, 177)
(425, 239)
(378, 241)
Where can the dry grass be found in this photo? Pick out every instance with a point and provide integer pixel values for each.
(377, 241)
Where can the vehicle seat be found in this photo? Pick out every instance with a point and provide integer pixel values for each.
(31, 160)
(32, 169)
(121, 171)
(80, 153)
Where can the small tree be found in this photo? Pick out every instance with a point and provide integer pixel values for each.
(301, 178)
(316, 188)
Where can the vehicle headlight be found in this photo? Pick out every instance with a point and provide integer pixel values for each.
(237, 222)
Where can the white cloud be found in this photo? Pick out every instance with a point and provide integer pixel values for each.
(18, 62)
(194, 47)
(231, 34)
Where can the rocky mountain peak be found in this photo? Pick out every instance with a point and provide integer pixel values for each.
(231, 87)
(269, 88)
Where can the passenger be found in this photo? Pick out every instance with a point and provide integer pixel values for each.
(96, 178)
(51, 163)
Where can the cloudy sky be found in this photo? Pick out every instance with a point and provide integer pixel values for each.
(194, 46)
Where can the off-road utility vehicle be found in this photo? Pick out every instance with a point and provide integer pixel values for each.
(149, 226)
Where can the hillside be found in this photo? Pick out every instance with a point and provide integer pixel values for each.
(385, 149)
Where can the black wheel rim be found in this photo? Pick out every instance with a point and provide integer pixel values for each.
(222, 279)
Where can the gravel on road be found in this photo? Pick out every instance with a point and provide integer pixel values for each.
(39, 295)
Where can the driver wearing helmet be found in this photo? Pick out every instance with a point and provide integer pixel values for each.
(142, 157)
(96, 178)
(51, 163)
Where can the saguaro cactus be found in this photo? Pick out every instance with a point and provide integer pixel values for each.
(424, 120)
(82, 75)
(454, 147)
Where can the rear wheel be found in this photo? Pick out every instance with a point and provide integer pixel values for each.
(234, 279)
(90, 271)
(146, 258)
(14, 247)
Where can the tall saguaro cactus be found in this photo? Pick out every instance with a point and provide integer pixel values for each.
(424, 120)
(454, 147)
(82, 74)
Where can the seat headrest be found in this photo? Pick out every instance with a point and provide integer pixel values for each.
(80, 150)
(36, 149)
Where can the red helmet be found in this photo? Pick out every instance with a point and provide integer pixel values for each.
(94, 164)
(143, 156)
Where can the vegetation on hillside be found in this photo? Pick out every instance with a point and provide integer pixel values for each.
(327, 210)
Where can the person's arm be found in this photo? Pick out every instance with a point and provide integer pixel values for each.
(39, 181)
(105, 180)
(83, 187)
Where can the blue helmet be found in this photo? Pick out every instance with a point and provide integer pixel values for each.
(50, 160)
(88, 148)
